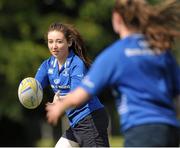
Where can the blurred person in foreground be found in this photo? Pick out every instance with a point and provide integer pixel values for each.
(63, 71)
(143, 71)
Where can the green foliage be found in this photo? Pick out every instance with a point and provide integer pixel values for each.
(28, 58)
(89, 10)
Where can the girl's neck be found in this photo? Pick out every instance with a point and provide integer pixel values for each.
(60, 63)
(125, 32)
(61, 60)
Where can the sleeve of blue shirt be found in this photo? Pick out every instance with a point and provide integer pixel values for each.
(105, 71)
(42, 75)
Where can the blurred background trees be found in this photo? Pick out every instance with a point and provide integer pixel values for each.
(22, 28)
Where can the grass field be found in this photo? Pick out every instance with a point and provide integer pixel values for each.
(116, 141)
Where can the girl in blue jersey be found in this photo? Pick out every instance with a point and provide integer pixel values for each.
(143, 71)
(63, 71)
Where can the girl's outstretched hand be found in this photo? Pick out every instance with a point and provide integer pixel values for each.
(54, 111)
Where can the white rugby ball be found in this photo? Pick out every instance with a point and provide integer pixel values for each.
(30, 93)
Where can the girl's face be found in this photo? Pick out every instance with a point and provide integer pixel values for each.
(116, 22)
(58, 44)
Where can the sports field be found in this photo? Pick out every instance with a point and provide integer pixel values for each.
(116, 141)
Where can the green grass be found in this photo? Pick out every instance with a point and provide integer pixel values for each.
(116, 141)
(45, 143)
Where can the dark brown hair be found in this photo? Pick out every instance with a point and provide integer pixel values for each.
(160, 23)
(72, 35)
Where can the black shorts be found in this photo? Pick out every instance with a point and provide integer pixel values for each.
(90, 131)
(152, 135)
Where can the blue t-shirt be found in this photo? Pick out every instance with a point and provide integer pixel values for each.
(65, 80)
(146, 82)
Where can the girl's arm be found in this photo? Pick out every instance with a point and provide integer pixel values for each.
(74, 99)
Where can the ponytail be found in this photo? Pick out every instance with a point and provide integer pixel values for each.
(160, 23)
(78, 45)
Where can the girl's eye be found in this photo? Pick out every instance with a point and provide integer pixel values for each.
(59, 41)
(50, 42)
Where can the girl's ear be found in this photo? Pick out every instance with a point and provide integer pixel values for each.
(116, 22)
(69, 43)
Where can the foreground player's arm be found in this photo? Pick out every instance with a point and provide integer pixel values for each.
(73, 99)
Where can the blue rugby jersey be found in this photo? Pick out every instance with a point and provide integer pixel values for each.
(146, 82)
(65, 80)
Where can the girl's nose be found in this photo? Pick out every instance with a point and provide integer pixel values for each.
(55, 45)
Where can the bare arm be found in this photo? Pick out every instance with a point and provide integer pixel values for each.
(74, 99)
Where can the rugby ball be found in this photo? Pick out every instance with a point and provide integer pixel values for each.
(30, 93)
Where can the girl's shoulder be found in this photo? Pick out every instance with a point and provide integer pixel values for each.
(77, 60)
(49, 61)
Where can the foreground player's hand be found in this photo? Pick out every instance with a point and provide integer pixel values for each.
(54, 112)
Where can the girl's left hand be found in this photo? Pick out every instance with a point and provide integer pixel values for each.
(54, 111)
